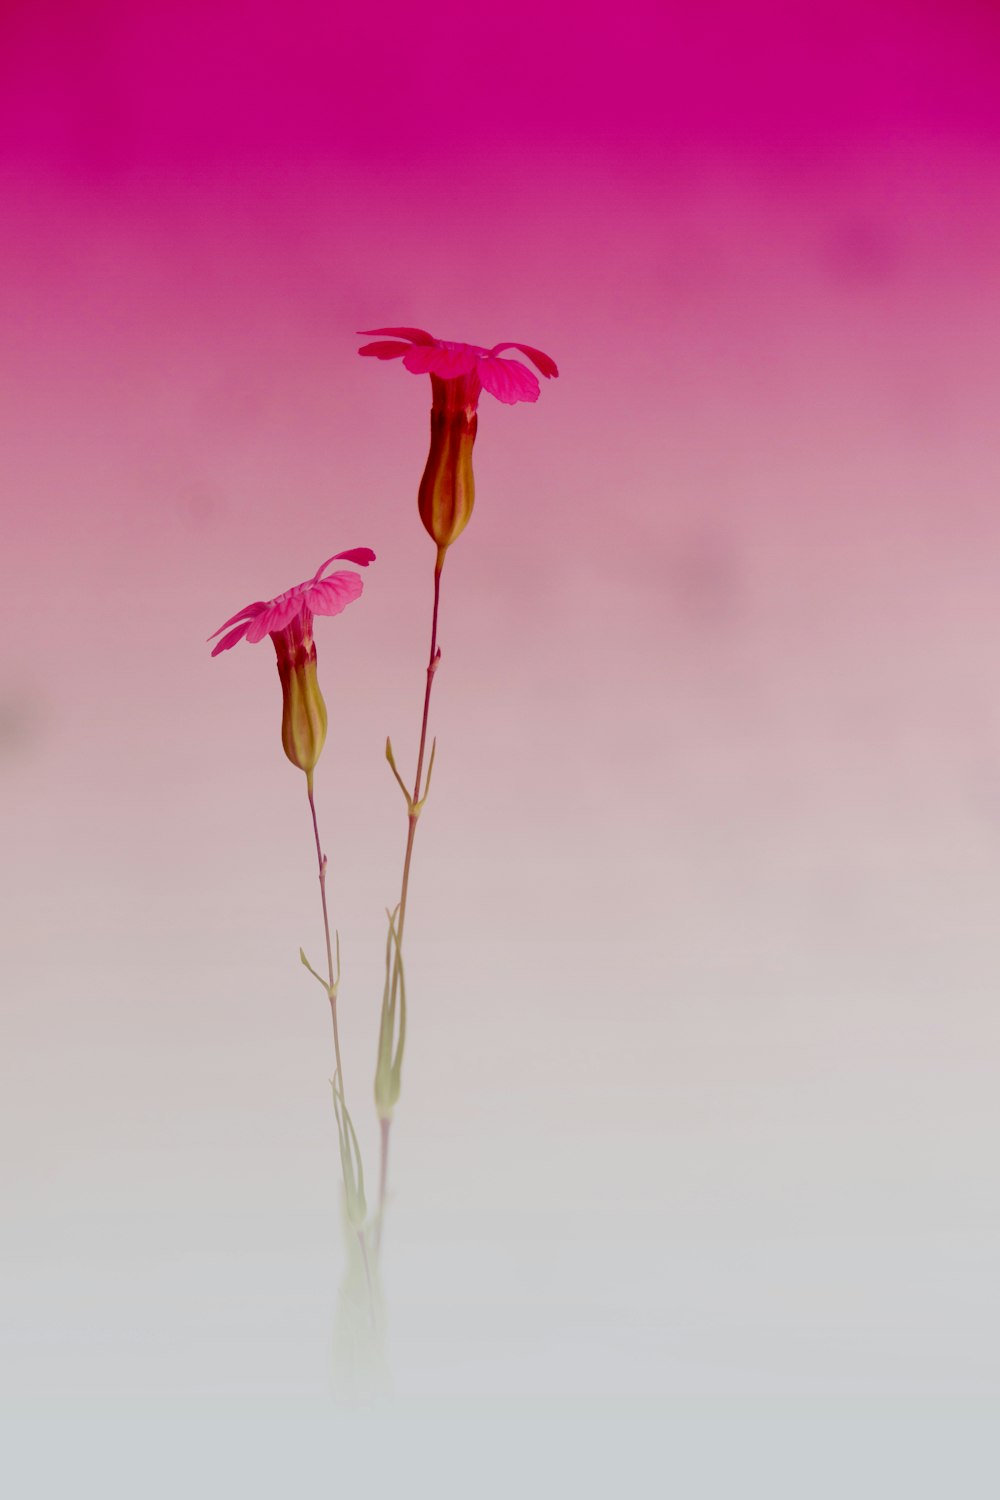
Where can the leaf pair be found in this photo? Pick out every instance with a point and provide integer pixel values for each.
(392, 1027)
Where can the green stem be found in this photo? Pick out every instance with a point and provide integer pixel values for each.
(322, 862)
(412, 816)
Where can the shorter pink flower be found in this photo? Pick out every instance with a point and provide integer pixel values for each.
(318, 596)
(288, 620)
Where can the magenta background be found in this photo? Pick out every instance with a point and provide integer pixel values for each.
(700, 1101)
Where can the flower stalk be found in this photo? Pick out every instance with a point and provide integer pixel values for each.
(288, 619)
(332, 980)
(387, 1078)
(459, 375)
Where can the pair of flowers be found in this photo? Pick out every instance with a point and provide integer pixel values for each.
(459, 374)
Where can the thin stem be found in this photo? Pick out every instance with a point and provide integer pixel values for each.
(431, 669)
(412, 816)
(321, 861)
(332, 983)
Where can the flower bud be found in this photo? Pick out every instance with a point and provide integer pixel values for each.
(448, 488)
(303, 717)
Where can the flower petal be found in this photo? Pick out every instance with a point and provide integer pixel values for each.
(415, 335)
(385, 349)
(241, 614)
(547, 366)
(419, 360)
(232, 638)
(450, 364)
(508, 380)
(360, 555)
(331, 595)
(275, 617)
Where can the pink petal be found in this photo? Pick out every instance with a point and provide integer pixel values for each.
(275, 617)
(247, 613)
(545, 364)
(232, 638)
(508, 380)
(385, 349)
(415, 335)
(331, 595)
(419, 360)
(450, 364)
(360, 555)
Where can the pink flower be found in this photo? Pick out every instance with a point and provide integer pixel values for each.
(318, 596)
(466, 368)
(459, 374)
(288, 620)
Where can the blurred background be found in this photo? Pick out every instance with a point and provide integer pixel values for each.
(700, 1107)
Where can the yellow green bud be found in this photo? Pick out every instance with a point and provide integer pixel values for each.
(303, 715)
(448, 487)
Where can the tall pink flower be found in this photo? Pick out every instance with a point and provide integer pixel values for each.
(288, 620)
(459, 375)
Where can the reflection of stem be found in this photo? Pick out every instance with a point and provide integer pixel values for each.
(368, 1277)
(321, 859)
(383, 1170)
(412, 815)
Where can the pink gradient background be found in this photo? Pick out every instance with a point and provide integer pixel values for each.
(700, 1106)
